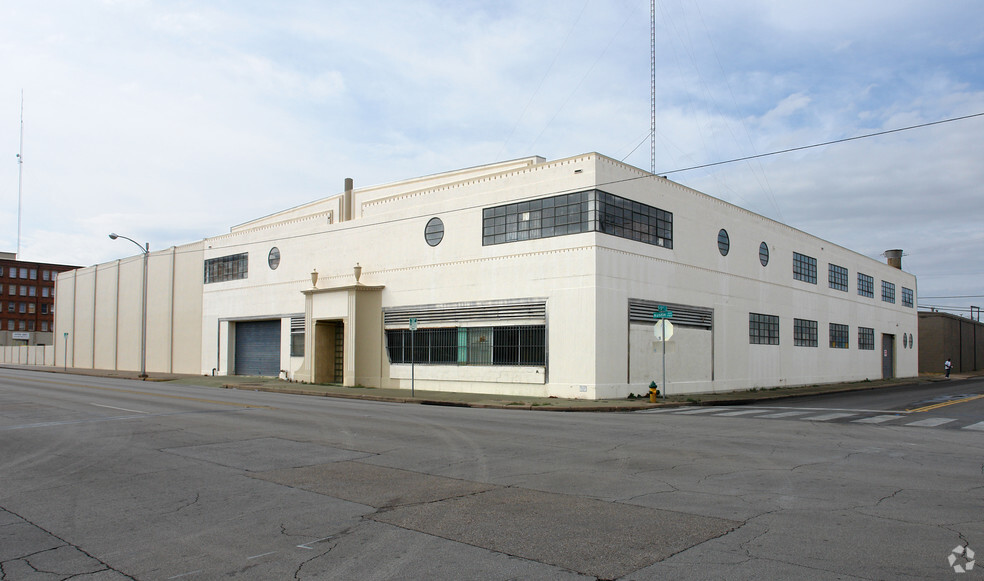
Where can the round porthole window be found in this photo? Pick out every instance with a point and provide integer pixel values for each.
(434, 231)
(724, 243)
(764, 253)
(273, 259)
(905, 341)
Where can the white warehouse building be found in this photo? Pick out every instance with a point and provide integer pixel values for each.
(524, 277)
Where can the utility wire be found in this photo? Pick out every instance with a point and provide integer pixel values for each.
(957, 297)
(822, 144)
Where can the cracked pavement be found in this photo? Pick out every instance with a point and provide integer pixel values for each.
(200, 486)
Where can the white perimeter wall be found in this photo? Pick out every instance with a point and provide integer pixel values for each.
(100, 309)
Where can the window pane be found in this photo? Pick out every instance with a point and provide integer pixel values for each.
(866, 285)
(837, 277)
(588, 211)
(233, 267)
(804, 268)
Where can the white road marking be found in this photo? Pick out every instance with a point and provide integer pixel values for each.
(116, 408)
(305, 545)
(260, 555)
(741, 413)
(702, 410)
(784, 415)
(931, 422)
(979, 426)
(857, 411)
(827, 417)
(186, 574)
(876, 419)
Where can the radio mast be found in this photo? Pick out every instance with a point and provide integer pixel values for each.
(652, 80)
(20, 174)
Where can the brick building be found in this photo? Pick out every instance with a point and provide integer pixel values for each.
(27, 300)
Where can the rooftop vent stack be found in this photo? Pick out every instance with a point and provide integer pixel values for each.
(894, 258)
(347, 201)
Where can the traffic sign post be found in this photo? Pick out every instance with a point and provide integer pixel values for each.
(662, 316)
(413, 351)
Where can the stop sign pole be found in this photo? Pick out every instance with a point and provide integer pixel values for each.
(660, 316)
(413, 351)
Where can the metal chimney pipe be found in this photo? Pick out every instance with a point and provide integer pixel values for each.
(894, 258)
(347, 201)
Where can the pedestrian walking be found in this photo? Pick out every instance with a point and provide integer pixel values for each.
(947, 366)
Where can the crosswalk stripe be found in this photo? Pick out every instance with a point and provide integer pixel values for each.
(827, 417)
(784, 415)
(931, 422)
(875, 419)
(803, 415)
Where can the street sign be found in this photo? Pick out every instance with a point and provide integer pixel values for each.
(663, 330)
(413, 323)
(662, 313)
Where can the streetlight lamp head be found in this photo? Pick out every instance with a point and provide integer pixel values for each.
(113, 236)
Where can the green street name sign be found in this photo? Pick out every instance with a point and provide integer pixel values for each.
(662, 313)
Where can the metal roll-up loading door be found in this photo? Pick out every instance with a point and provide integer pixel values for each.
(258, 348)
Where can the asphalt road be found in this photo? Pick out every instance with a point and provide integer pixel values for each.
(110, 479)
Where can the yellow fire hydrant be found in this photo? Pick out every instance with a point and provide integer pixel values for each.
(653, 392)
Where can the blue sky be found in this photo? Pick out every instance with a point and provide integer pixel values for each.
(172, 121)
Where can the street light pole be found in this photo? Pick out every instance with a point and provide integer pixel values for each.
(145, 249)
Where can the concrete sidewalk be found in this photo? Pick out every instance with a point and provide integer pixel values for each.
(500, 401)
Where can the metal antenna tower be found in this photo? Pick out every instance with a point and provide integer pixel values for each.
(20, 174)
(652, 79)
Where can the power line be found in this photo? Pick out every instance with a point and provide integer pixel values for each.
(823, 144)
(957, 297)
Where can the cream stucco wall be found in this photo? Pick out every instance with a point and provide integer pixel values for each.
(100, 309)
(586, 281)
(694, 272)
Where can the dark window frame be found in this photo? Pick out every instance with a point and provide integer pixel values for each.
(866, 338)
(574, 213)
(888, 292)
(763, 329)
(505, 345)
(724, 242)
(434, 231)
(837, 277)
(908, 297)
(225, 268)
(866, 285)
(839, 336)
(804, 268)
(805, 333)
